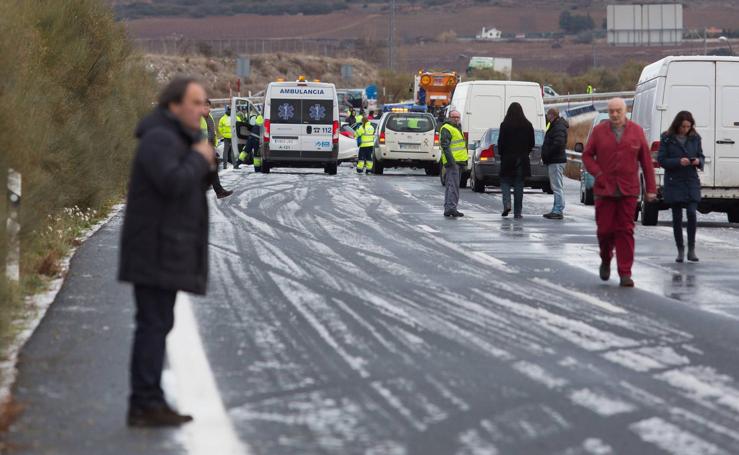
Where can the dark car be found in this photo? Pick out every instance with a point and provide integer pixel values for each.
(485, 163)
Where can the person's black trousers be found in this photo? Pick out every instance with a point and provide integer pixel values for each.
(154, 320)
(677, 222)
(217, 187)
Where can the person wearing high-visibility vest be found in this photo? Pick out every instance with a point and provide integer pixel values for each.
(224, 129)
(589, 89)
(453, 155)
(254, 126)
(208, 130)
(366, 136)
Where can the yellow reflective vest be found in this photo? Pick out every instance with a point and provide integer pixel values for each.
(366, 133)
(458, 146)
(224, 127)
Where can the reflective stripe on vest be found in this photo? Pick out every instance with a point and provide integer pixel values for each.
(458, 146)
(367, 135)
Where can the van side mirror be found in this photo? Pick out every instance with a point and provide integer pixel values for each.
(579, 147)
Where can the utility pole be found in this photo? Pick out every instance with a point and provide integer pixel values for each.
(391, 38)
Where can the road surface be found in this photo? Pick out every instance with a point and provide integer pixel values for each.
(346, 315)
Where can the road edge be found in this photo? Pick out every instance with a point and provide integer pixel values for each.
(38, 305)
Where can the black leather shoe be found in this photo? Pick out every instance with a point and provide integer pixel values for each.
(448, 213)
(457, 214)
(224, 193)
(156, 416)
(553, 216)
(605, 271)
(506, 211)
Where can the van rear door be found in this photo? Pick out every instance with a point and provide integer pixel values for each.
(529, 97)
(691, 86)
(301, 124)
(486, 110)
(727, 125)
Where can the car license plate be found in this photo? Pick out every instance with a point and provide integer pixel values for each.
(409, 146)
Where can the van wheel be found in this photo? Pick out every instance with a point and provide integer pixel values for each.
(589, 197)
(432, 169)
(733, 215)
(330, 169)
(378, 168)
(649, 213)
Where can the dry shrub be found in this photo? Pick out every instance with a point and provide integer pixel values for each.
(72, 91)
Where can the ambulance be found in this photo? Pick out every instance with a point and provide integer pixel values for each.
(301, 126)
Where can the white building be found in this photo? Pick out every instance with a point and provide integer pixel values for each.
(490, 34)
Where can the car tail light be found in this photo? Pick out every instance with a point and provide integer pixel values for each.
(335, 132)
(655, 151)
(382, 137)
(347, 134)
(488, 153)
(266, 130)
(436, 138)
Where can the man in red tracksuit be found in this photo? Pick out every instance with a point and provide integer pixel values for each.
(613, 154)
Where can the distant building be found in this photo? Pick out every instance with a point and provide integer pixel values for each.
(490, 34)
(645, 25)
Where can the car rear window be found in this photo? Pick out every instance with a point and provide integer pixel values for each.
(305, 111)
(492, 137)
(404, 123)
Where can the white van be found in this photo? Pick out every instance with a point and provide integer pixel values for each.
(483, 105)
(708, 87)
(301, 126)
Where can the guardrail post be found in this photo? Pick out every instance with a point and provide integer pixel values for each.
(13, 227)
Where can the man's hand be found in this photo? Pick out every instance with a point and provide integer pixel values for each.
(684, 162)
(695, 162)
(206, 151)
(651, 197)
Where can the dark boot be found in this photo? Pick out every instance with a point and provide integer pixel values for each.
(680, 254)
(448, 213)
(626, 282)
(605, 270)
(506, 211)
(691, 254)
(456, 213)
(224, 193)
(156, 416)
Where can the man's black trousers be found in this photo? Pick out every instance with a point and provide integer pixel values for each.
(154, 320)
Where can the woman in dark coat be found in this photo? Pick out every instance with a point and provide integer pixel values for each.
(515, 142)
(681, 155)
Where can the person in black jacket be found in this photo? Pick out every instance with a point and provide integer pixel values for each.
(164, 244)
(554, 156)
(681, 155)
(515, 142)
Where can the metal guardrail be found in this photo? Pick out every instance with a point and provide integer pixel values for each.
(574, 157)
(587, 97)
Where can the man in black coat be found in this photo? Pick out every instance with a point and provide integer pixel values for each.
(164, 245)
(554, 156)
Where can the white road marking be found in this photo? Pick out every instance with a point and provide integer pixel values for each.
(672, 439)
(212, 431)
(587, 298)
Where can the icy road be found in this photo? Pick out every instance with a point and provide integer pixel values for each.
(346, 315)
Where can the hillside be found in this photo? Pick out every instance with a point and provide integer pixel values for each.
(216, 73)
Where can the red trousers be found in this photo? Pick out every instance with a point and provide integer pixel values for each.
(615, 219)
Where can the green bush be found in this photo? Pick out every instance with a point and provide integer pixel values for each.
(72, 91)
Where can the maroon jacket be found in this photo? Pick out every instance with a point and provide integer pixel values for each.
(616, 164)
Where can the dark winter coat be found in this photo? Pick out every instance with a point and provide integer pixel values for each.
(165, 231)
(682, 184)
(514, 146)
(554, 151)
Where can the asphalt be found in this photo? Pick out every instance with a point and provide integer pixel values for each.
(346, 315)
